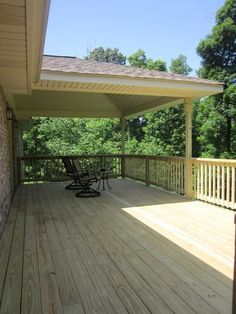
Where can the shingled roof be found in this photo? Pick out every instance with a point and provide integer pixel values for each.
(80, 66)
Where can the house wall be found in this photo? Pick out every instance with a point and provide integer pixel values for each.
(6, 157)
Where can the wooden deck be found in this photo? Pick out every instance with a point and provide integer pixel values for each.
(134, 249)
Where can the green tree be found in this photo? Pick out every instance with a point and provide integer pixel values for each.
(218, 52)
(159, 137)
(136, 126)
(107, 55)
(63, 136)
(179, 65)
(139, 60)
(158, 65)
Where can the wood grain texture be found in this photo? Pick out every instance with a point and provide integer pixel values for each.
(132, 250)
(31, 302)
(11, 298)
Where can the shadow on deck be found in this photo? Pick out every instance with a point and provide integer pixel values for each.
(134, 249)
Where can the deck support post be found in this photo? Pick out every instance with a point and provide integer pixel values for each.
(188, 176)
(122, 127)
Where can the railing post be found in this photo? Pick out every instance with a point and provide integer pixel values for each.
(188, 178)
(147, 172)
(122, 166)
(234, 278)
(19, 171)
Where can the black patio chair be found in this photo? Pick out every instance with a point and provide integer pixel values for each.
(71, 173)
(86, 179)
(82, 179)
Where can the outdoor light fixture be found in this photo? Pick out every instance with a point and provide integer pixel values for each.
(9, 113)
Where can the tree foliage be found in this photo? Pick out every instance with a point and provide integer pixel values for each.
(166, 128)
(179, 65)
(107, 55)
(67, 136)
(218, 52)
(139, 60)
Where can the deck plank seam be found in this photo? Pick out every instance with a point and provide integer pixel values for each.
(169, 269)
(9, 254)
(189, 286)
(59, 194)
(23, 255)
(145, 227)
(92, 281)
(49, 210)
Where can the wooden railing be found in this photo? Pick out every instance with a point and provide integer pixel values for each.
(214, 181)
(51, 168)
(164, 172)
(211, 180)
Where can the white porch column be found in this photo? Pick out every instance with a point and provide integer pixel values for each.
(122, 124)
(188, 146)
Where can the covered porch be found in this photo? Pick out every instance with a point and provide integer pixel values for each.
(134, 249)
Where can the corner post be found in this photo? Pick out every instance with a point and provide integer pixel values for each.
(188, 176)
(122, 126)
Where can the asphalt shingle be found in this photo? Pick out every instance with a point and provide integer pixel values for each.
(80, 66)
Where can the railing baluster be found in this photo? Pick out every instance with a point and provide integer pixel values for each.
(233, 189)
(198, 181)
(205, 183)
(214, 183)
(209, 182)
(218, 184)
(227, 186)
(222, 185)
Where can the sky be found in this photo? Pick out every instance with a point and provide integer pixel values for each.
(164, 29)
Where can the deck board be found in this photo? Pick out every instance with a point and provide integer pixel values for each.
(132, 250)
(11, 297)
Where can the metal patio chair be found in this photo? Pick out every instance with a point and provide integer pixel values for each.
(85, 180)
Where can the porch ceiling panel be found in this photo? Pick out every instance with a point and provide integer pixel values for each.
(72, 104)
(132, 101)
(65, 104)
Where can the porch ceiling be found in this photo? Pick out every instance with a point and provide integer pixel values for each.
(71, 87)
(49, 103)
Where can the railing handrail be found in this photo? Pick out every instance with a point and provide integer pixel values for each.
(228, 161)
(194, 159)
(69, 156)
(97, 155)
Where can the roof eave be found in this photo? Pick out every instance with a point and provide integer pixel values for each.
(206, 88)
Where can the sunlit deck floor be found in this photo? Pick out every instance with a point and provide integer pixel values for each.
(133, 249)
